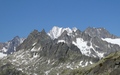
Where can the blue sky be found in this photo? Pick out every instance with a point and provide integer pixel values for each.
(20, 17)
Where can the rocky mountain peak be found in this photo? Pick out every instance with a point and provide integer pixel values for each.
(16, 38)
(60, 50)
(57, 31)
(43, 31)
(35, 38)
(99, 32)
(10, 46)
(34, 33)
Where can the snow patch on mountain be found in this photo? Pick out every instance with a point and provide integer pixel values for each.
(61, 41)
(21, 40)
(99, 54)
(82, 45)
(34, 43)
(35, 49)
(113, 41)
(83, 65)
(87, 50)
(2, 55)
(4, 49)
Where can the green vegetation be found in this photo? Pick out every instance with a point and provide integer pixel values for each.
(110, 65)
(8, 69)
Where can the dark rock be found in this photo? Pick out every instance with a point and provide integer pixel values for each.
(99, 32)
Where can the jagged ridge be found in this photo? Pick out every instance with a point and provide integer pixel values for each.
(42, 54)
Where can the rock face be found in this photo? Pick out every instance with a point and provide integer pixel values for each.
(35, 39)
(88, 45)
(10, 46)
(99, 32)
(59, 50)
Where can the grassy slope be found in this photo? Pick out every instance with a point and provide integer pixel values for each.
(110, 65)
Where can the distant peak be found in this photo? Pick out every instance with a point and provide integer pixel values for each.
(16, 37)
(43, 31)
(35, 31)
(74, 29)
(67, 28)
(57, 31)
(99, 32)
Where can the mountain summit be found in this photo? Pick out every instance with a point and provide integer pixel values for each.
(99, 32)
(10, 46)
(57, 31)
(59, 50)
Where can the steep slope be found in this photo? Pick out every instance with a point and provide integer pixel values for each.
(88, 45)
(110, 65)
(10, 46)
(36, 39)
(8, 69)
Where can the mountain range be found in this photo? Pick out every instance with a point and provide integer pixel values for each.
(61, 51)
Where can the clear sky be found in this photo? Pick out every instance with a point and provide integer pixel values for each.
(20, 17)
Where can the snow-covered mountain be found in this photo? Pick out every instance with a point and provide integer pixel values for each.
(10, 46)
(61, 49)
(57, 31)
(89, 42)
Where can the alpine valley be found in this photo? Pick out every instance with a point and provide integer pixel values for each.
(62, 51)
